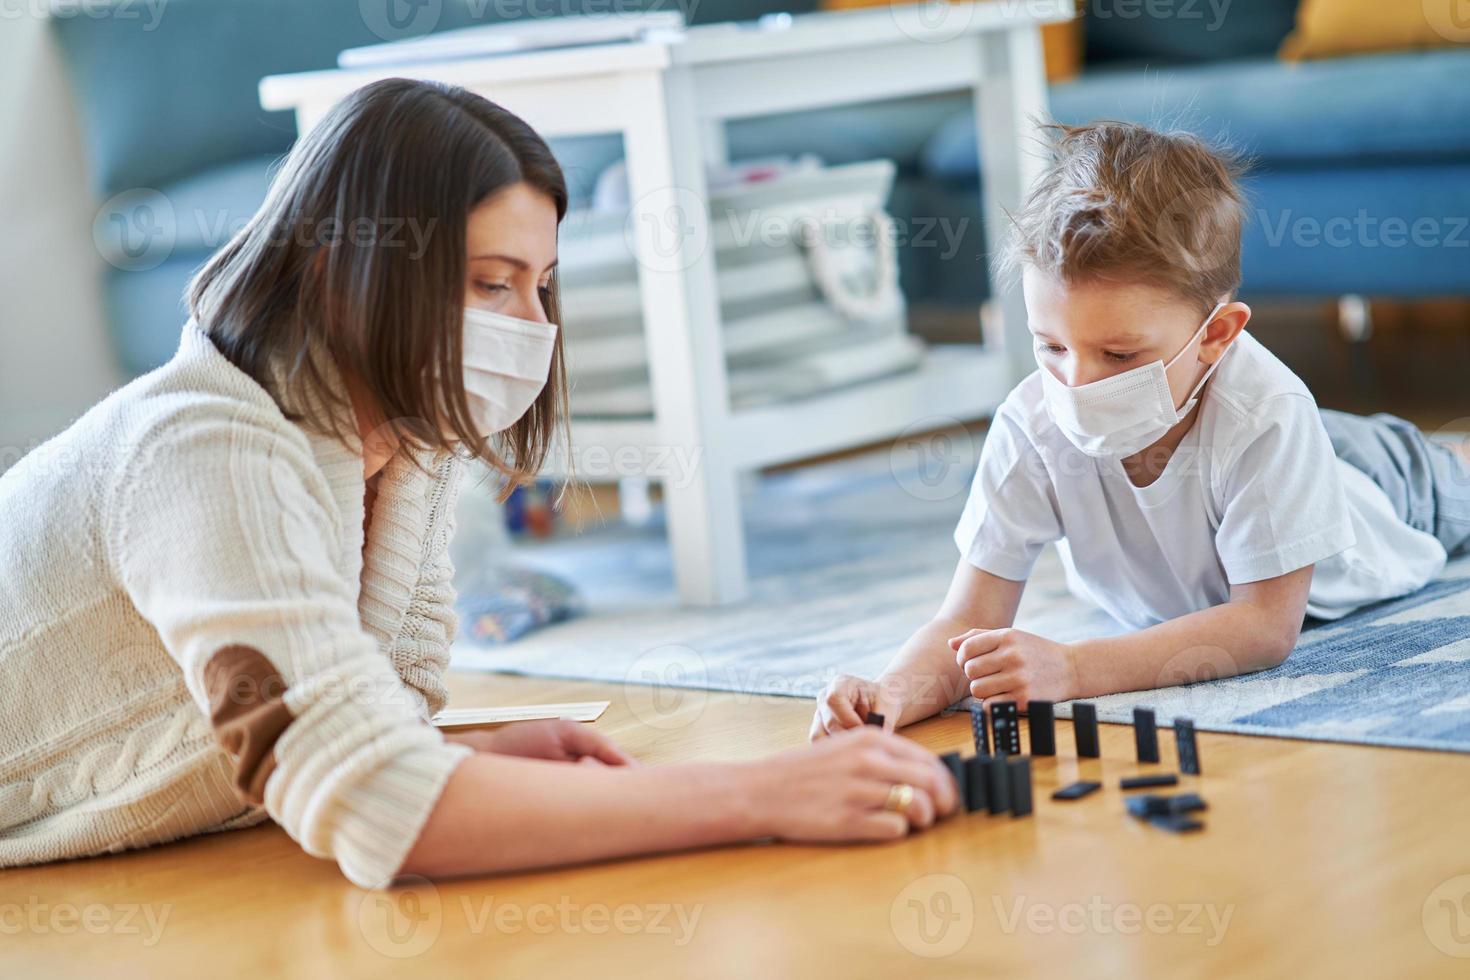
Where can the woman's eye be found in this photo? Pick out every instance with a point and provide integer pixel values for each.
(1119, 356)
(492, 287)
(1051, 348)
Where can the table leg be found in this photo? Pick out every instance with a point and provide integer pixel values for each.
(681, 319)
(1010, 99)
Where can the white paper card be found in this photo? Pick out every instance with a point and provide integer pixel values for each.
(573, 711)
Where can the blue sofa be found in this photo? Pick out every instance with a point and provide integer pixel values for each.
(1360, 167)
(1360, 184)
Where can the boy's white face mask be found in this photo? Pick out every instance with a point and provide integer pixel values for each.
(1121, 415)
(506, 363)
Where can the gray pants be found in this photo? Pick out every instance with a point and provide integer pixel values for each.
(1428, 483)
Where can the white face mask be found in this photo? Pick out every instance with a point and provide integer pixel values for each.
(506, 363)
(1121, 415)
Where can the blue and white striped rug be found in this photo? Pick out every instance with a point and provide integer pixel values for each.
(848, 558)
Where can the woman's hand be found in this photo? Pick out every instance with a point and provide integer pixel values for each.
(1013, 665)
(558, 740)
(846, 702)
(836, 789)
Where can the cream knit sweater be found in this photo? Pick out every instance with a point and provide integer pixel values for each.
(184, 514)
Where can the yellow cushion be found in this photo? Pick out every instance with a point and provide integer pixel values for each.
(1061, 43)
(1332, 28)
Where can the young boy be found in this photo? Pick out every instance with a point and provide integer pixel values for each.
(1194, 489)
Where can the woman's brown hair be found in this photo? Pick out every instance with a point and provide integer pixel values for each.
(359, 251)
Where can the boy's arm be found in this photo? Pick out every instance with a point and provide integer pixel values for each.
(923, 677)
(1256, 629)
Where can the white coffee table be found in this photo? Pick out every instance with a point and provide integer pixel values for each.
(669, 99)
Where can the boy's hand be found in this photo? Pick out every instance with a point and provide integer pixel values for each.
(846, 703)
(1013, 665)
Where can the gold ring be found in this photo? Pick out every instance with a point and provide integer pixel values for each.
(899, 798)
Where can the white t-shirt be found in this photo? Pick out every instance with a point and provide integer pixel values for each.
(1253, 491)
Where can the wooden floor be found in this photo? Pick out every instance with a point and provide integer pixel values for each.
(1318, 860)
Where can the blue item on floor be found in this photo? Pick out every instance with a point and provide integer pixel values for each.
(508, 603)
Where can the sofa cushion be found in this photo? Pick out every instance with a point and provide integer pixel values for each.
(1356, 111)
(1333, 28)
(1386, 231)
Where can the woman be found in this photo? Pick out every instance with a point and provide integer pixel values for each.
(228, 587)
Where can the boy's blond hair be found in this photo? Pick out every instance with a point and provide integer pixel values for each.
(1124, 203)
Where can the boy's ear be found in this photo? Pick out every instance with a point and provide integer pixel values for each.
(1223, 330)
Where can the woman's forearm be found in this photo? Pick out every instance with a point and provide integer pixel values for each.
(501, 813)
